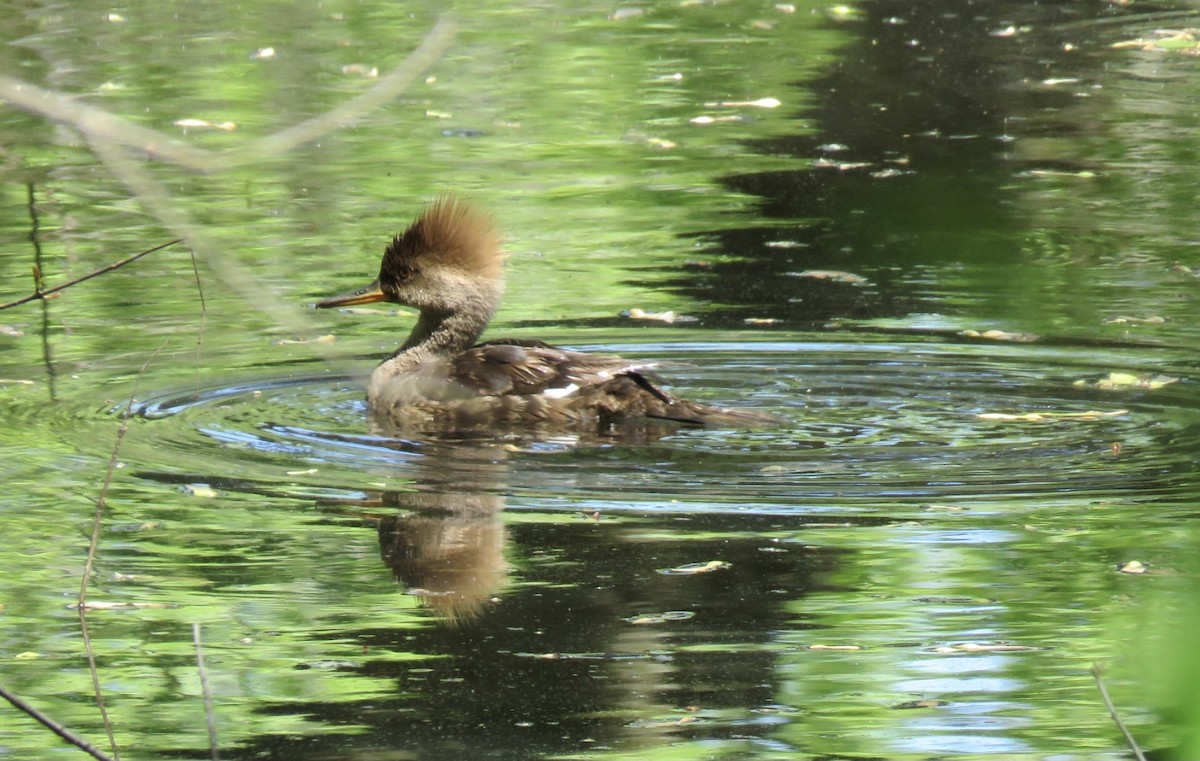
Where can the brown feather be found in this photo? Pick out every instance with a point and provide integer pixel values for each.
(448, 233)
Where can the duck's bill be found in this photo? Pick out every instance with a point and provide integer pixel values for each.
(368, 295)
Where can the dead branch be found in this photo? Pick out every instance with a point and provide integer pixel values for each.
(204, 691)
(38, 293)
(97, 517)
(1097, 674)
(99, 123)
(101, 126)
(54, 726)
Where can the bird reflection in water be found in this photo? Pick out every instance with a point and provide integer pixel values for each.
(453, 561)
(447, 547)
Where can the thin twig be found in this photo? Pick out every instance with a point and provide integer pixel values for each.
(1097, 674)
(41, 294)
(97, 517)
(54, 726)
(199, 285)
(35, 238)
(208, 702)
(155, 198)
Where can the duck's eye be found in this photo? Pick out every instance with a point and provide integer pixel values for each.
(403, 272)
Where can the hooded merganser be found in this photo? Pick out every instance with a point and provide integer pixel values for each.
(448, 264)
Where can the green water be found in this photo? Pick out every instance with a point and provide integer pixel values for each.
(921, 562)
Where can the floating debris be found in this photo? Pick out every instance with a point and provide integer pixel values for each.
(715, 119)
(760, 103)
(844, 13)
(841, 166)
(847, 648)
(1040, 417)
(662, 723)
(975, 647)
(1123, 381)
(668, 317)
(1182, 41)
(1126, 320)
(102, 605)
(649, 619)
(262, 54)
(1001, 335)
(771, 470)
(621, 14)
(205, 124)
(654, 142)
(328, 338)
(694, 568)
(1133, 566)
(361, 70)
(1083, 174)
(132, 528)
(920, 704)
(836, 276)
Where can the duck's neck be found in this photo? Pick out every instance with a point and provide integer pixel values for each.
(436, 335)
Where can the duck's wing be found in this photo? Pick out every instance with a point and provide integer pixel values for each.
(516, 367)
(529, 383)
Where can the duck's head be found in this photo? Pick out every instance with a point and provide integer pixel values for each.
(448, 260)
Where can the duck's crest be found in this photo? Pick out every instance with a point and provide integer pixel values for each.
(450, 232)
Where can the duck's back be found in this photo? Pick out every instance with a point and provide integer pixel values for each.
(531, 385)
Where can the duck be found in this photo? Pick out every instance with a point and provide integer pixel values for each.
(449, 266)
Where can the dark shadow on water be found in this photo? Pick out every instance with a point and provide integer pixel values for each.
(557, 665)
(905, 161)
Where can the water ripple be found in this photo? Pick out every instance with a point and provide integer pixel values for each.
(869, 424)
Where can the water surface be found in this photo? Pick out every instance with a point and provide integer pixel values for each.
(957, 258)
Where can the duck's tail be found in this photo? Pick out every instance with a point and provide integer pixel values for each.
(663, 406)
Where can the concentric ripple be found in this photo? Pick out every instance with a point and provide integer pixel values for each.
(868, 424)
